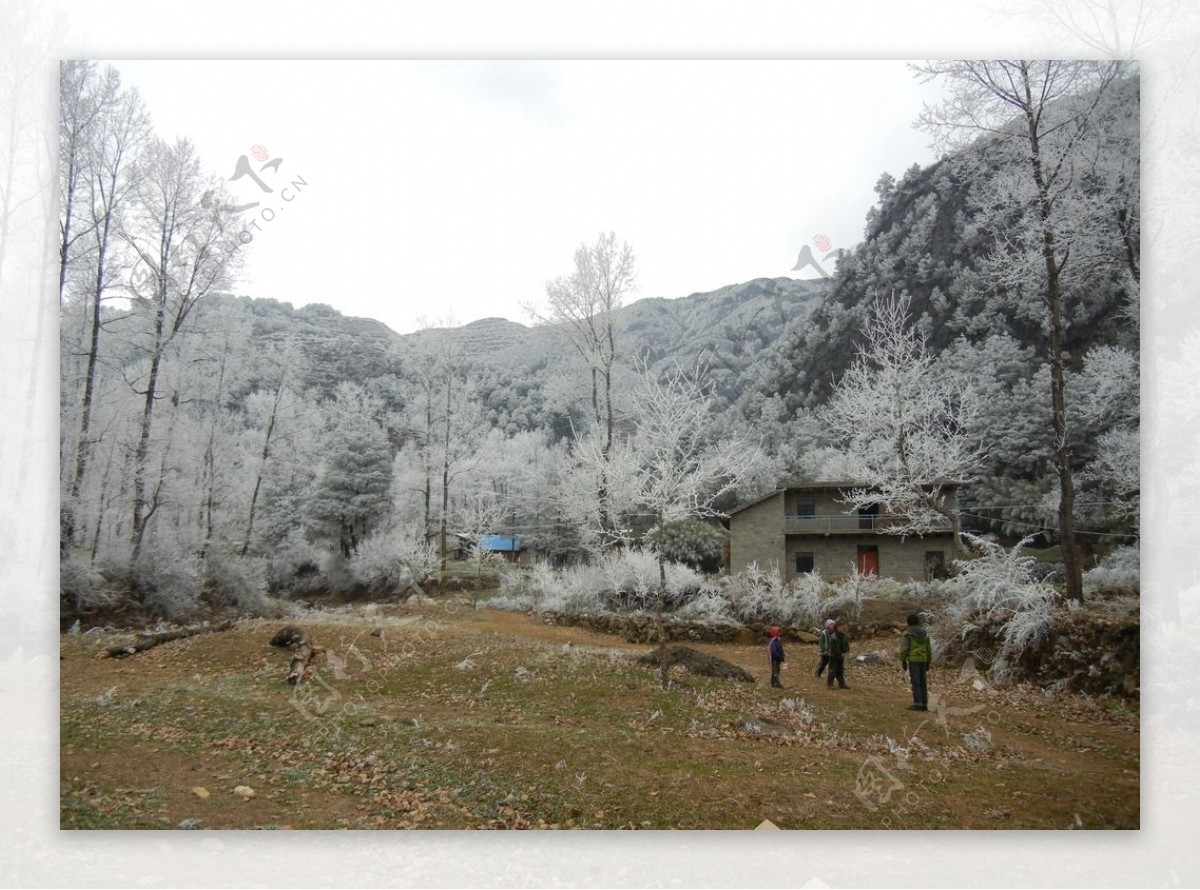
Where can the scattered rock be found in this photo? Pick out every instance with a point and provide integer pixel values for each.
(200, 792)
(289, 636)
(245, 792)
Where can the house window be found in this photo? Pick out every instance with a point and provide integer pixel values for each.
(804, 563)
(806, 509)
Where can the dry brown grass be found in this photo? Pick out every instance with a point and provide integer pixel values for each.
(457, 718)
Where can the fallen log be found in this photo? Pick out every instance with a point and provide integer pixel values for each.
(149, 641)
(304, 652)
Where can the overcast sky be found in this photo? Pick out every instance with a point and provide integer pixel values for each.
(423, 191)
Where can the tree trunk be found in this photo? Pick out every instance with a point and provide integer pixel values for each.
(149, 641)
(660, 625)
(304, 652)
(137, 529)
(83, 448)
(1062, 446)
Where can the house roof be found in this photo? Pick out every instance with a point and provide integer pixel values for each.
(501, 543)
(757, 501)
(844, 485)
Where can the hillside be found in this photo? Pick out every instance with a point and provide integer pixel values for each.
(733, 325)
(729, 330)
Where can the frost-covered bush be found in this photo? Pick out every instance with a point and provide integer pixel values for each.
(844, 597)
(82, 587)
(294, 564)
(709, 605)
(525, 590)
(999, 589)
(169, 583)
(627, 582)
(575, 590)
(336, 572)
(240, 581)
(756, 596)
(394, 560)
(630, 581)
(934, 592)
(1121, 569)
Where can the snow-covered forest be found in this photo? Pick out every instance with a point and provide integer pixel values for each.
(225, 449)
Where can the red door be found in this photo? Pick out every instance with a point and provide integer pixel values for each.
(868, 560)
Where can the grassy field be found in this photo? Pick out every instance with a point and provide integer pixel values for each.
(452, 717)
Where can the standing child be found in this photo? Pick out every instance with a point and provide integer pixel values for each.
(916, 652)
(823, 645)
(775, 654)
(839, 647)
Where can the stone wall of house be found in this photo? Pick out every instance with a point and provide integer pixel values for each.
(759, 534)
(825, 503)
(835, 556)
(756, 536)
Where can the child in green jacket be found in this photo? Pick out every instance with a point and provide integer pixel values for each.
(916, 653)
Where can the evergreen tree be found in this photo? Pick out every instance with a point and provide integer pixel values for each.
(351, 493)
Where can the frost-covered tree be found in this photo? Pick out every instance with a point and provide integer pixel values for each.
(1106, 405)
(905, 426)
(102, 132)
(268, 411)
(1049, 118)
(584, 305)
(185, 255)
(676, 469)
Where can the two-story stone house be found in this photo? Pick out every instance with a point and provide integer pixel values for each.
(802, 528)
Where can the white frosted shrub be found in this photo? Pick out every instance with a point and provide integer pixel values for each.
(394, 559)
(1121, 569)
(287, 560)
(170, 583)
(238, 580)
(758, 596)
(998, 588)
(628, 581)
(709, 605)
(82, 587)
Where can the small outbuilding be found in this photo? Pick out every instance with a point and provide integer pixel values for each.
(509, 547)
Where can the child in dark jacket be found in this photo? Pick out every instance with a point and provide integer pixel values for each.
(823, 645)
(775, 654)
(839, 648)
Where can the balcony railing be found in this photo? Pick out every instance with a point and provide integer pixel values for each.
(845, 524)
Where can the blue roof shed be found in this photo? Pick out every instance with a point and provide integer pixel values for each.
(501, 543)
